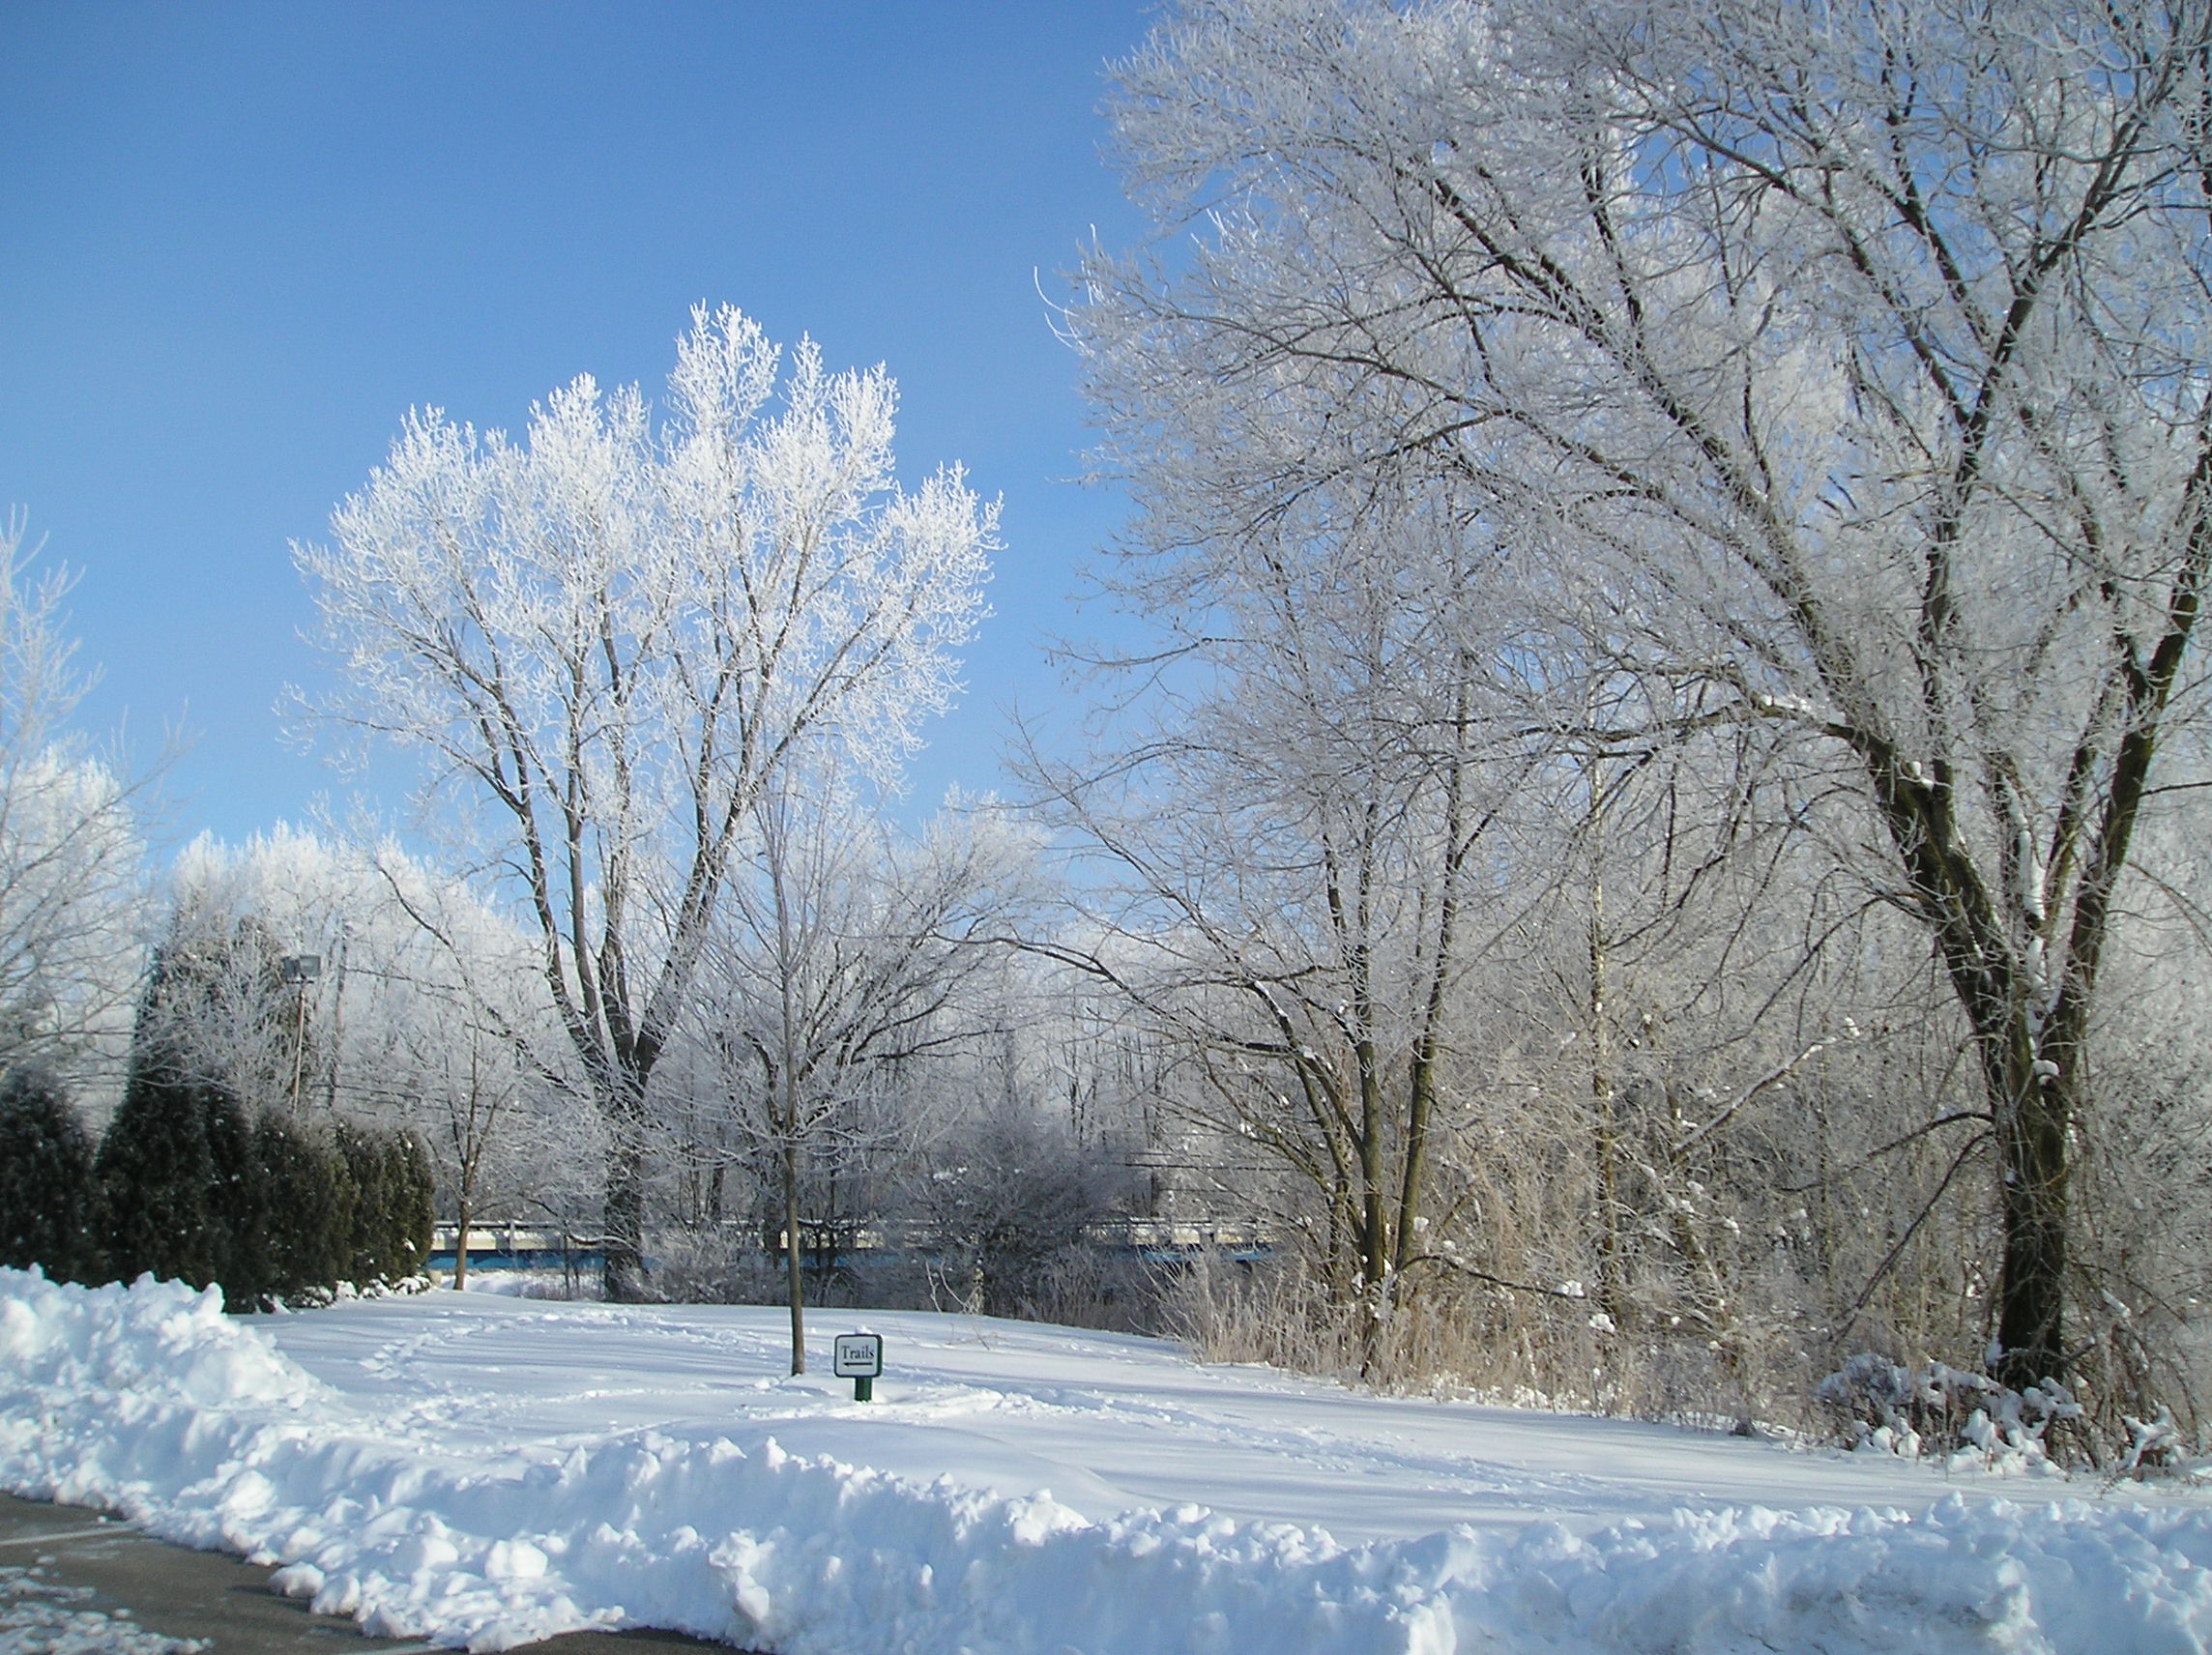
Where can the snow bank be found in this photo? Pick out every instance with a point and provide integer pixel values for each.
(148, 1401)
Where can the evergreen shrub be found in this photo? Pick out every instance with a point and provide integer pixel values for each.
(272, 1209)
(48, 1197)
(157, 1179)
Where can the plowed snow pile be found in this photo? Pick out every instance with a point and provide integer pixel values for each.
(488, 1471)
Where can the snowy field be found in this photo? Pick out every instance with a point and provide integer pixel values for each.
(486, 1470)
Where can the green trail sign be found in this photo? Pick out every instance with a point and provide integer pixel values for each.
(858, 1358)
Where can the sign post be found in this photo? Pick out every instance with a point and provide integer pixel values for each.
(858, 1358)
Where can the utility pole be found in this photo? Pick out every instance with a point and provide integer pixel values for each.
(299, 970)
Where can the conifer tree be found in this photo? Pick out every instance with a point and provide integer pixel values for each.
(415, 1204)
(155, 1175)
(368, 1171)
(46, 1188)
(308, 1207)
(238, 1206)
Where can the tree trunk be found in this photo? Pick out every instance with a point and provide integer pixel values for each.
(2032, 1112)
(794, 1276)
(1374, 1213)
(622, 1225)
(1421, 1073)
(1612, 1297)
(461, 1244)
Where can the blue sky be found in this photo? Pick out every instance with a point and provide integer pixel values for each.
(240, 239)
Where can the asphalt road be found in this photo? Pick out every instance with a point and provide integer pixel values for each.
(75, 1583)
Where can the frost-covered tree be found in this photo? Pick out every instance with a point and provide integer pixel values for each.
(467, 1085)
(605, 640)
(71, 852)
(1283, 855)
(218, 1005)
(427, 1014)
(1847, 360)
(237, 915)
(1009, 1199)
(843, 958)
(462, 1040)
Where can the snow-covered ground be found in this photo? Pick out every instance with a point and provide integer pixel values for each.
(489, 1471)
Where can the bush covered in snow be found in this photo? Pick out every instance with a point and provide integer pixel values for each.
(1936, 1410)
